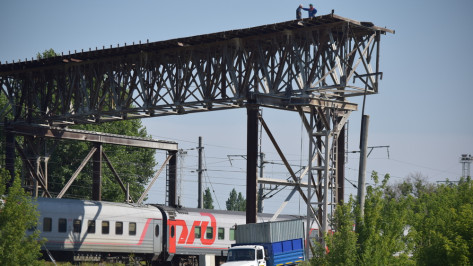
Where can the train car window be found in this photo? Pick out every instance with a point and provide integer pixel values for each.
(91, 227)
(105, 227)
(132, 229)
(197, 232)
(119, 228)
(221, 233)
(172, 231)
(156, 230)
(209, 234)
(232, 234)
(77, 225)
(62, 225)
(47, 224)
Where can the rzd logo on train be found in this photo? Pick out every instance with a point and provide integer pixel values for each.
(188, 237)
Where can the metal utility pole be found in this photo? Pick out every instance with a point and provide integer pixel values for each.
(199, 172)
(363, 148)
(466, 160)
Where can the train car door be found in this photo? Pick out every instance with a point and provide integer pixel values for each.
(157, 236)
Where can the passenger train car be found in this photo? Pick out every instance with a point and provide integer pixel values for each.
(81, 230)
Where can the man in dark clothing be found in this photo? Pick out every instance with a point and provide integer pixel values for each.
(299, 12)
(312, 11)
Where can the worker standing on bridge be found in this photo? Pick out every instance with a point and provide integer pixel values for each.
(312, 11)
(299, 12)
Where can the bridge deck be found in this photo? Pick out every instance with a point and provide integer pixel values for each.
(361, 28)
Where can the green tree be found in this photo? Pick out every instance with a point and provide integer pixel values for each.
(342, 242)
(381, 231)
(414, 185)
(208, 201)
(379, 237)
(17, 214)
(413, 222)
(231, 201)
(241, 202)
(443, 225)
(236, 202)
(46, 54)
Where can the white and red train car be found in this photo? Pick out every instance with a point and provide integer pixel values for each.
(82, 230)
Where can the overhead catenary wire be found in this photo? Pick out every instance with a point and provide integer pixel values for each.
(208, 178)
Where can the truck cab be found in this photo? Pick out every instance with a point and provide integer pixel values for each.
(246, 255)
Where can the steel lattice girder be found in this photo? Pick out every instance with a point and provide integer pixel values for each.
(323, 126)
(309, 65)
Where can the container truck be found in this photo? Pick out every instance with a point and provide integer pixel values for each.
(267, 244)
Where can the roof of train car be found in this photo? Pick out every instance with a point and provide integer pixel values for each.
(78, 206)
(151, 207)
(185, 210)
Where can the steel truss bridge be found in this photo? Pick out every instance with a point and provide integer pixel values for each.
(310, 66)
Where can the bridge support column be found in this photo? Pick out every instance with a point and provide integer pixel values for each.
(251, 164)
(97, 173)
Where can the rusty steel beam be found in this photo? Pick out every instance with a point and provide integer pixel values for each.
(91, 136)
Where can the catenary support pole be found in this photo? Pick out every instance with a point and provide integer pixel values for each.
(172, 178)
(199, 172)
(260, 189)
(341, 165)
(362, 172)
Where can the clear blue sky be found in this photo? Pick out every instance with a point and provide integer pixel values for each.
(423, 111)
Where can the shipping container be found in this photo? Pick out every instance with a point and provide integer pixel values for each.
(269, 232)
